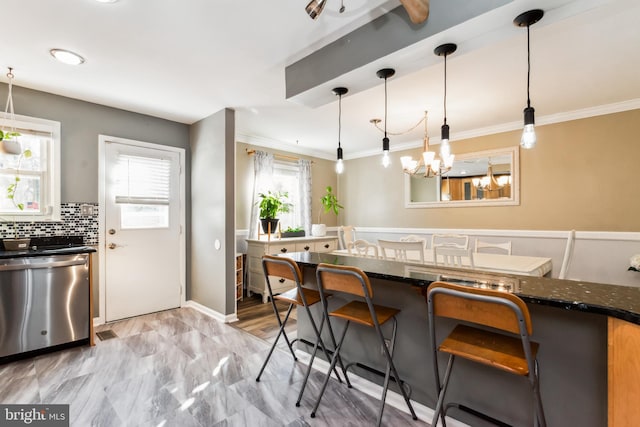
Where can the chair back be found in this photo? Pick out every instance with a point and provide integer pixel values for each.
(363, 248)
(568, 254)
(414, 238)
(281, 267)
(346, 235)
(400, 250)
(488, 307)
(344, 278)
(493, 247)
(455, 240)
(452, 256)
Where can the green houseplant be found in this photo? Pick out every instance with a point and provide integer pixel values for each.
(329, 204)
(271, 204)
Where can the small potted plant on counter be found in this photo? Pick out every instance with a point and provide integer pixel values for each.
(293, 232)
(329, 204)
(271, 204)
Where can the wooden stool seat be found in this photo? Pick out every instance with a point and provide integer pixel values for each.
(293, 296)
(358, 312)
(499, 338)
(489, 348)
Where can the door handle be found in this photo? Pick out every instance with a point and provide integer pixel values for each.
(112, 245)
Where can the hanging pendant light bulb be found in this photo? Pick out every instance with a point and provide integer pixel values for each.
(315, 7)
(529, 138)
(445, 149)
(385, 73)
(340, 91)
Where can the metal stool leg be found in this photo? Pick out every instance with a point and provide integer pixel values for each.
(334, 360)
(275, 342)
(392, 369)
(539, 419)
(333, 341)
(443, 390)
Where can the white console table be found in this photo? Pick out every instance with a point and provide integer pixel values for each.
(256, 281)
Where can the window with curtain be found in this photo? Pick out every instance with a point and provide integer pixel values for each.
(292, 177)
(143, 192)
(30, 170)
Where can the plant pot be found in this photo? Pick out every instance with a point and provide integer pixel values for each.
(293, 233)
(265, 224)
(21, 244)
(318, 230)
(11, 146)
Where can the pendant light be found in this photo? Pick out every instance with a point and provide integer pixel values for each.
(315, 7)
(385, 73)
(529, 138)
(445, 149)
(340, 91)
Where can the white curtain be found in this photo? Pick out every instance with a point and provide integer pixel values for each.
(262, 173)
(304, 181)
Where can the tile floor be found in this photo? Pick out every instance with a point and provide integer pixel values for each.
(183, 368)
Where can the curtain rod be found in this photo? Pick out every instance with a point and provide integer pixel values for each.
(251, 152)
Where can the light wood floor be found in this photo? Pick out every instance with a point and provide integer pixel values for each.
(258, 319)
(183, 368)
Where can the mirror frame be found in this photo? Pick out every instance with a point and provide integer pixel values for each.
(513, 152)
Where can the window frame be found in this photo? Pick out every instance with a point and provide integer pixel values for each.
(52, 212)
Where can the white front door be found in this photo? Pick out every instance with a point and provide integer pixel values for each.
(143, 229)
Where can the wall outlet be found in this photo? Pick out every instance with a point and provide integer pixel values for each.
(86, 210)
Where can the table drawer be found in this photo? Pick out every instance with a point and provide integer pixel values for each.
(280, 248)
(326, 246)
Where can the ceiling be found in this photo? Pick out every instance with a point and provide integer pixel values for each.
(184, 63)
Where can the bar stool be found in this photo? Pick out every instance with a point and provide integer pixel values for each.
(353, 281)
(499, 310)
(287, 268)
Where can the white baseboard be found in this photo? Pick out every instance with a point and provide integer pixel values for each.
(229, 318)
(374, 390)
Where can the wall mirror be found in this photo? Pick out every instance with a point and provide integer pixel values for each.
(483, 178)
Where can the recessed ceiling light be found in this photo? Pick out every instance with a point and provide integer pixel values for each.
(66, 56)
(106, 1)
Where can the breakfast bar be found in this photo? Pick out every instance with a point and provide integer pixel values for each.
(580, 383)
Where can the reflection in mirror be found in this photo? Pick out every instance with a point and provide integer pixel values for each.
(476, 179)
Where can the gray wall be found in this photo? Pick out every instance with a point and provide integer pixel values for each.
(81, 123)
(213, 212)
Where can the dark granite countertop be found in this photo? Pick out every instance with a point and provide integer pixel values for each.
(618, 301)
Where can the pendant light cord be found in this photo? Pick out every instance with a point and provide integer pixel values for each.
(445, 88)
(385, 107)
(528, 68)
(339, 118)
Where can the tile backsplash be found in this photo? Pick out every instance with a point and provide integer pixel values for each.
(72, 223)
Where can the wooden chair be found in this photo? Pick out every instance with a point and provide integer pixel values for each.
(346, 235)
(353, 281)
(400, 250)
(456, 240)
(287, 269)
(363, 249)
(499, 247)
(452, 256)
(414, 238)
(506, 347)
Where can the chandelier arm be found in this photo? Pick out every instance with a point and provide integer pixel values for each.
(375, 122)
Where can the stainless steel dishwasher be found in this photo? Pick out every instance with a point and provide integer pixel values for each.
(44, 302)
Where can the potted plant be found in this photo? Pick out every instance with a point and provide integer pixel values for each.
(9, 142)
(329, 204)
(293, 232)
(271, 204)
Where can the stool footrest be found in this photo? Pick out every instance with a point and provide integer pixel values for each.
(477, 414)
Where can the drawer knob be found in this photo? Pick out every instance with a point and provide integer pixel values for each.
(326, 246)
(281, 280)
(283, 250)
(306, 248)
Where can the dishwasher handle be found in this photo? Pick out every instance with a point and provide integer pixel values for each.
(43, 264)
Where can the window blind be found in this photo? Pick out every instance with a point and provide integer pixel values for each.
(142, 180)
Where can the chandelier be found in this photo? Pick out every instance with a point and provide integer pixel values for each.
(432, 165)
(490, 183)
